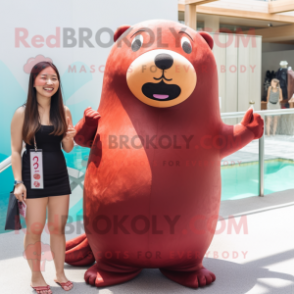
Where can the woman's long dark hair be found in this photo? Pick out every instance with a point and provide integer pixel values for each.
(32, 119)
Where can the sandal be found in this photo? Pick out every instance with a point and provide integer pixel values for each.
(38, 289)
(66, 284)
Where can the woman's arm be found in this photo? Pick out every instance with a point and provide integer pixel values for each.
(67, 141)
(16, 148)
(268, 93)
(281, 95)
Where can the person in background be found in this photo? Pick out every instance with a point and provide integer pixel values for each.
(274, 97)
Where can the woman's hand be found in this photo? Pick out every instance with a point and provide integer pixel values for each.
(281, 95)
(70, 133)
(20, 192)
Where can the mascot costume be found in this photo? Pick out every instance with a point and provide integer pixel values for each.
(152, 187)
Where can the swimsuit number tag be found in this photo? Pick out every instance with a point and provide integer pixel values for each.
(36, 164)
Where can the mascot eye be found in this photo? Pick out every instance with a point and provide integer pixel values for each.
(186, 45)
(137, 43)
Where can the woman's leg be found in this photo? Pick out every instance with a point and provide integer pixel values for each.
(57, 217)
(35, 221)
(275, 124)
(268, 125)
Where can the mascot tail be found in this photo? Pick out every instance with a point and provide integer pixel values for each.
(78, 252)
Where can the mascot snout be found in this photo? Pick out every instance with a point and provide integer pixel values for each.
(161, 78)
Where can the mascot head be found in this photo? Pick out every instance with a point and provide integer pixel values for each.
(163, 63)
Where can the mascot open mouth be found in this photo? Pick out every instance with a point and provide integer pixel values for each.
(161, 91)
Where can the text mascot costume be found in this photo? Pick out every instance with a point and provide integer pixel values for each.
(152, 187)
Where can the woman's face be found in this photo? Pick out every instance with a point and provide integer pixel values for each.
(274, 84)
(46, 82)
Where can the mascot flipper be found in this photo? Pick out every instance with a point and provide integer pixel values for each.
(109, 275)
(78, 252)
(193, 278)
(86, 128)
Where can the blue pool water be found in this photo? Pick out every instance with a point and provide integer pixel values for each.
(238, 181)
(241, 181)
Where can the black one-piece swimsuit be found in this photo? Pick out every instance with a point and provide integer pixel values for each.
(56, 179)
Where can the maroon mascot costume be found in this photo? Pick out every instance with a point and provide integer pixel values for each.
(152, 186)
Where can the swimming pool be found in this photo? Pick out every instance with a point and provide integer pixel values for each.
(242, 180)
(238, 181)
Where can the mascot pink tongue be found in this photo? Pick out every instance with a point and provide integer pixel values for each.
(152, 186)
(160, 96)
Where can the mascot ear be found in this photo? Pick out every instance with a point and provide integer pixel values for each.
(207, 37)
(119, 31)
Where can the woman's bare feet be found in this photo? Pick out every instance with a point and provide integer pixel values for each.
(38, 281)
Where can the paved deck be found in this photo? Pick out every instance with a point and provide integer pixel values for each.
(278, 146)
(268, 265)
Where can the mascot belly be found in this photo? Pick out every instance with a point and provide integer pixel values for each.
(152, 186)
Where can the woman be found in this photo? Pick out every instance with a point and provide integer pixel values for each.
(274, 97)
(45, 118)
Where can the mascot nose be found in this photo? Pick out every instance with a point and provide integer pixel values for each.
(164, 61)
